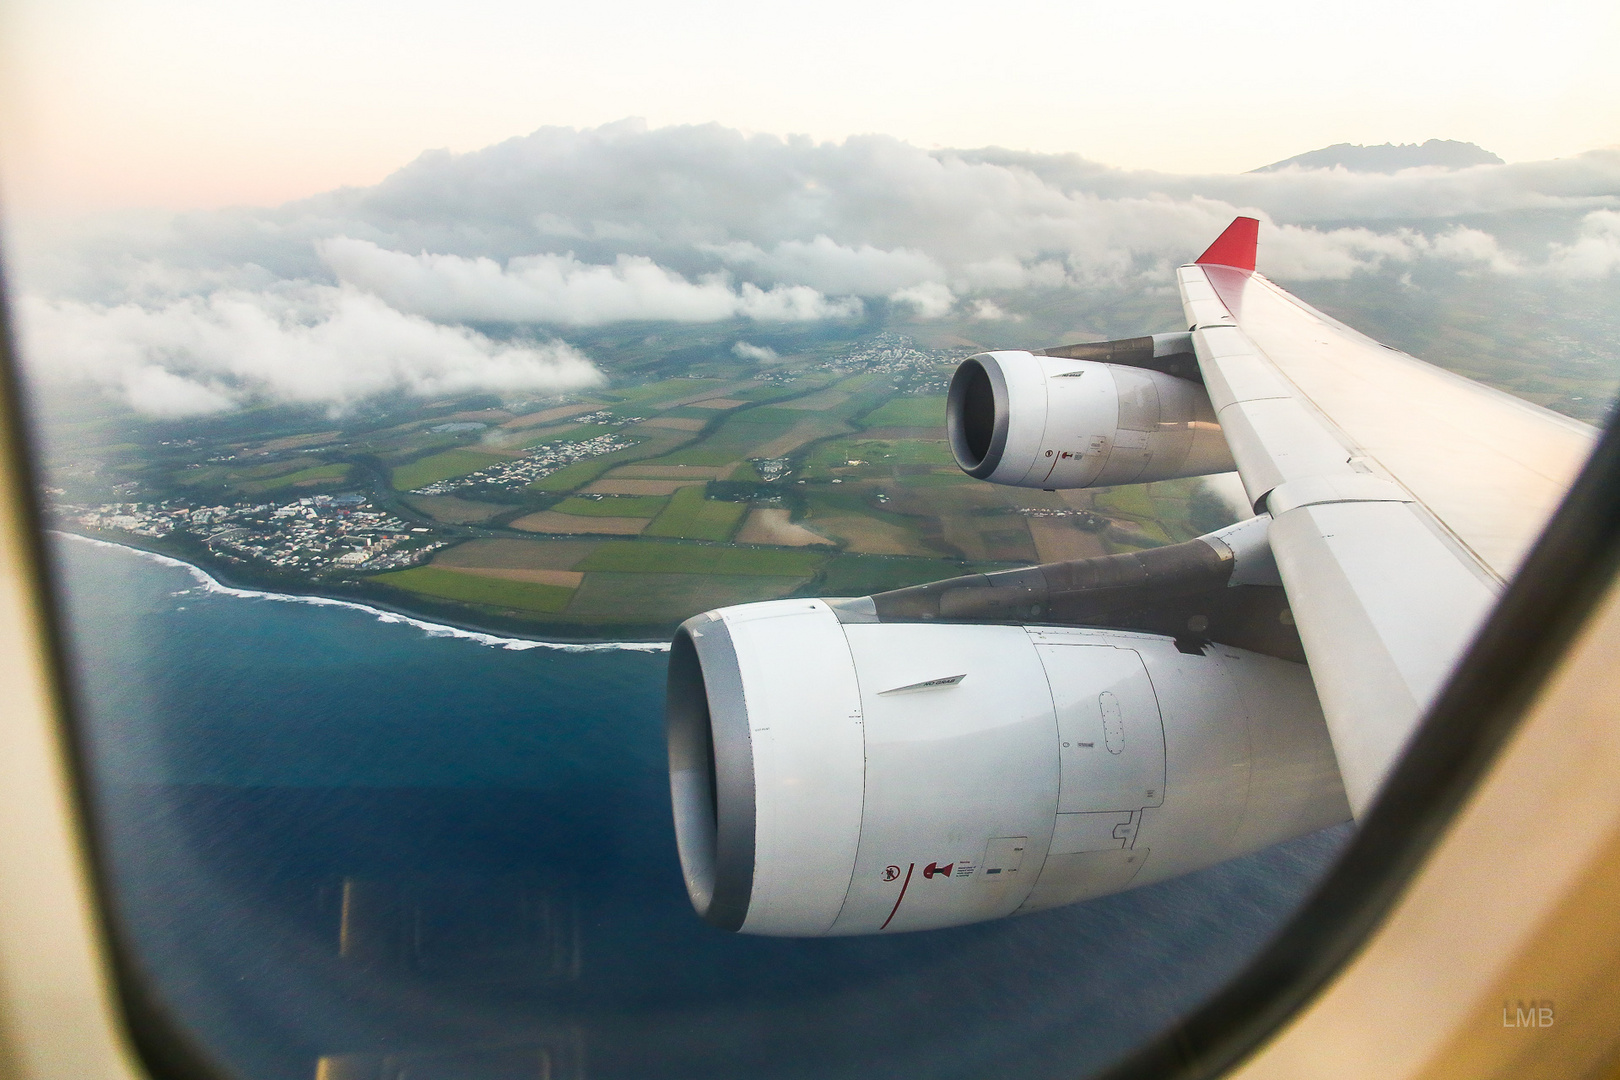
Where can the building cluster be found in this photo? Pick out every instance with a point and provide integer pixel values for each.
(519, 473)
(317, 535)
(916, 370)
(605, 416)
(1086, 519)
(771, 469)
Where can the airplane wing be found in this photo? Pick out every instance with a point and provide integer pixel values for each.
(1402, 496)
(1012, 741)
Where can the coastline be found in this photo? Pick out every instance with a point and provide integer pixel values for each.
(482, 635)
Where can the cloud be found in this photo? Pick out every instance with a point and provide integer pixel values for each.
(313, 345)
(569, 228)
(562, 290)
(762, 353)
(1294, 253)
(824, 264)
(1595, 253)
(930, 300)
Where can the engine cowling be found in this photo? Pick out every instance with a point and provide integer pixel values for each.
(832, 775)
(1049, 422)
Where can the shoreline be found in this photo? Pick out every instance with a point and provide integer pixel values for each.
(437, 627)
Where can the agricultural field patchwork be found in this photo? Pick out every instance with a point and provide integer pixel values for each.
(823, 471)
(485, 592)
(442, 466)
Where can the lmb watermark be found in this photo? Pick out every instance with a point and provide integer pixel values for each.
(1535, 1013)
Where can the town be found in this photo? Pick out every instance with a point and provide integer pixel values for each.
(316, 536)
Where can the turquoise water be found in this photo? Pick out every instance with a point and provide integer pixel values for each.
(333, 833)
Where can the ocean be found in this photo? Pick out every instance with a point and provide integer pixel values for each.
(346, 845)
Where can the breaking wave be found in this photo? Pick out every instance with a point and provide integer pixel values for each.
(209, 584)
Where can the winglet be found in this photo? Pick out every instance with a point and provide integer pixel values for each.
(1235, 246)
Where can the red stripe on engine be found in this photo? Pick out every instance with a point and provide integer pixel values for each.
(902, 896)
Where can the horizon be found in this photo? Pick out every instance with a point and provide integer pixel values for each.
(159, 103)
(17, 212)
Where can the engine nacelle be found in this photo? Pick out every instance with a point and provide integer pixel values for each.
(832, 774)
(1048, 422)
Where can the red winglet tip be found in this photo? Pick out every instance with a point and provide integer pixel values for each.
(1234, 247)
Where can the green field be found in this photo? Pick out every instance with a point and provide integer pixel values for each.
(669, 388)
(861, 575)
(257, 479)
(928, 480)
(633, 557)
(1164, 510)
(877, 453)
(669, 598)
(909, 411)
(302, 476)
(691, 516)
(615, 506)
(739, 437)
(483, 591)
(576, 475)
(442, 466)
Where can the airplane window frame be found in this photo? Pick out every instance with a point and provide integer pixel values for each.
(1563, 579)
(161, 1046)
(1549, 601)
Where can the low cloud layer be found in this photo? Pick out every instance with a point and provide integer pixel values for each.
(319, 346)
(561, 290)
(564, 229)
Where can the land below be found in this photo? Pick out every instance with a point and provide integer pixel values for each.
(683, 485)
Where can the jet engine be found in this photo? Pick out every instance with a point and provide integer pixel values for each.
(1044, 421)
(834, 773)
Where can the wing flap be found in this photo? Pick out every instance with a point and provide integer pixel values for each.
(1383, 609)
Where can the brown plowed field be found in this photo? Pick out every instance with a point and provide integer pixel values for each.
(550, 521)
(773, 527)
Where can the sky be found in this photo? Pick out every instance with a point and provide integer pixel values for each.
(210, 205)
(189, 104)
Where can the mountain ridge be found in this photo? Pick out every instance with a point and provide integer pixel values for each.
(1390, 157)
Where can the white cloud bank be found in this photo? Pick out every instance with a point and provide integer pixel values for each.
(317, 345)
(559, 289)
(363, 291)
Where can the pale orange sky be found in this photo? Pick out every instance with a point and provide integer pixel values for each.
(184, 103)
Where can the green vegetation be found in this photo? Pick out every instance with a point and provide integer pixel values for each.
(310, 476)
(903, 515)
(490, 592)
(692, 516)
(635, 557)
(834, 455)
(442, 466)
(415, 446)
(1164, 512)
(742, 435)
(615, 506)
(862, 575)
(261, 472)
(669, 598)
(909, 412)
(936, 480)
(260, 479)
(576, 475)
(669, 388)
(575, 433)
